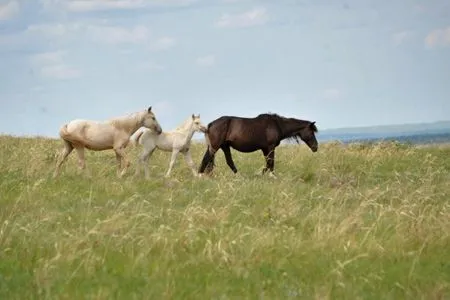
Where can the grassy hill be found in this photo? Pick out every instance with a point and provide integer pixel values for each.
(348, 222)
(421, 132)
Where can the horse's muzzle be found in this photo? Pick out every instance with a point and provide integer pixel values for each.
(158, 130)
(203, 129)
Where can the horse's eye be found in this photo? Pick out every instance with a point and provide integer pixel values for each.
(153, 118)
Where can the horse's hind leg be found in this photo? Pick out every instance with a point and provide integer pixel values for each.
(227, 151)
(190, 162)
(207, 163)
(68, 147)
(81, 159)
(143, 161)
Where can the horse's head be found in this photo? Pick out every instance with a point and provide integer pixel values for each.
(150, 121)
(308, 135)
(197, 123)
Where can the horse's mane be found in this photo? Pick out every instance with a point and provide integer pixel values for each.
(279, 119)
(270, 115)
(127, 121)
(185, 124)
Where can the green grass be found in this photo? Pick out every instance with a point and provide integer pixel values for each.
(348, 222)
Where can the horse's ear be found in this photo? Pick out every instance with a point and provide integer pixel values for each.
(193, 116)
(149, 109)
(198, 116)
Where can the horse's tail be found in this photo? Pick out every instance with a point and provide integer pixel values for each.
(207, 140)
(136, 137)
(63, 132)
(207, 164)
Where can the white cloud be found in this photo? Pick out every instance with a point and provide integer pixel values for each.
(151, 66)
(52, 30)
(80, 6)
(332, 94)
(163, 43)
(254, 17)
(402, 37)
(438, 38)
(93, 5)
(101, 32)
(206, 61)
(60, 71)
(119, 35)
(52, 65)
(9, 10)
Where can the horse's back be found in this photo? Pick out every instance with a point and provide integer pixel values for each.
(243, 134)
(90, 134)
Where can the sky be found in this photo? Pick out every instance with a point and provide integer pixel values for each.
(339, 63)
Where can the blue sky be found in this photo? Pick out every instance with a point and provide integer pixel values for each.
(340, 63)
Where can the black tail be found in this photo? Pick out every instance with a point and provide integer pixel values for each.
(207, 164)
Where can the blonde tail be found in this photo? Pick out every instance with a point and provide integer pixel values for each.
(135, 138)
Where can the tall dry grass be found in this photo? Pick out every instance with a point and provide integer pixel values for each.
(351, 221)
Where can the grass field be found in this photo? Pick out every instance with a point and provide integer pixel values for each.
(348, 222)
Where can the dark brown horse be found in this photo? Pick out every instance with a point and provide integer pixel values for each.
(265, 132)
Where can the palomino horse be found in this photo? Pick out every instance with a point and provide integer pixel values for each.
(264, 132)
(112, 134)
(177, 140)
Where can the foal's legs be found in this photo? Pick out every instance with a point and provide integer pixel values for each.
(62, 157)
(143, 161)
(226, 150)
(190, 162)
(172, 161)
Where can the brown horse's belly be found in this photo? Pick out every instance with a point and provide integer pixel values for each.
(244, 148)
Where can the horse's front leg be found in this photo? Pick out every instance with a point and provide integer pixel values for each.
(227, 151)
(172, 161)
(269, 155)
(119, 162)
(190, 162)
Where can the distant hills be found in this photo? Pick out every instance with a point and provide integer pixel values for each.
(435, 132)
(420, 133)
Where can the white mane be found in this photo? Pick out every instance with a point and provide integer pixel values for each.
(185, 125)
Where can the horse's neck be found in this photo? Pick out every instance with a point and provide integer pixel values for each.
(289, 127)
(130, 126)
(188, 132)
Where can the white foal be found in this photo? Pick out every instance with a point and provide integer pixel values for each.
(177, 140)
(112, 134)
